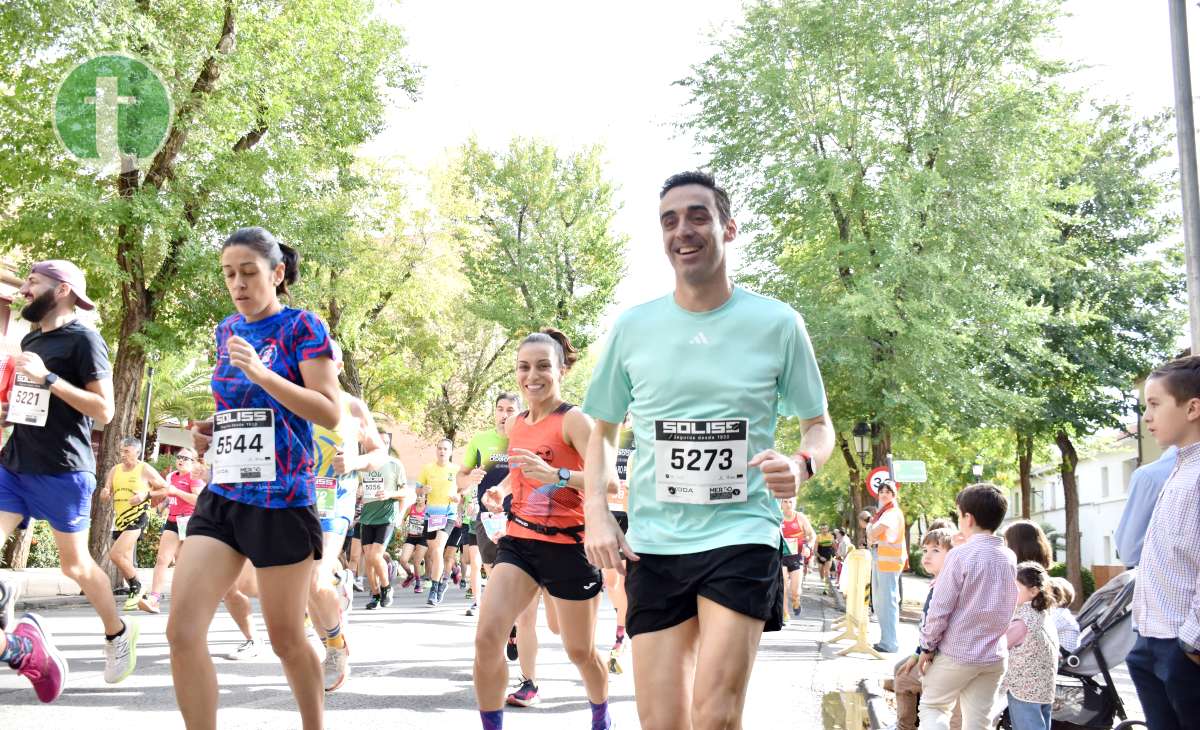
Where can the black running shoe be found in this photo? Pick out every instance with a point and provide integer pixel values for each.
(511, 649)
(374, 603)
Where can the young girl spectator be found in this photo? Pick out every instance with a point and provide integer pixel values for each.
(1033, 651)
(1064, 621)
(1029, 543)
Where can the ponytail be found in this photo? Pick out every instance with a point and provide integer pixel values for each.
(1033, 575)
(291, 269)
(559, 342)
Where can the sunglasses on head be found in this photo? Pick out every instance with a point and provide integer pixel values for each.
(181, 457)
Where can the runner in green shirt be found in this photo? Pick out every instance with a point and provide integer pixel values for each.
(384, 495)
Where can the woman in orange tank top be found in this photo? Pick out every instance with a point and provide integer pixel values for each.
(543, 547)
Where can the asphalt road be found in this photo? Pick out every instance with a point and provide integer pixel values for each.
(411, 667)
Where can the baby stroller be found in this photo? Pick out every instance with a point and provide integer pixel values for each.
(1106, 637)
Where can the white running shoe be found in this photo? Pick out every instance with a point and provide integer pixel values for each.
(311, 635)
(336, 665)
(248, 649)
(345, 589)
(8, 599)
(120, 654)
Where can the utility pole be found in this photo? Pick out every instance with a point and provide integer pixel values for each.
(1185, 125)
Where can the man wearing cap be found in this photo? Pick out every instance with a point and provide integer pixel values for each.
(63, 384)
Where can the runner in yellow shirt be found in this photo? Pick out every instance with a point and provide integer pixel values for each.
(128, 485)
(437, 482)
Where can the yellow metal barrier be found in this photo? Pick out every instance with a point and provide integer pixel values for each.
(856, 577)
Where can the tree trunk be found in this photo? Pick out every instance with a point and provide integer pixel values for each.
(351, 379)
(1070, 460)
(128, 371)
(881, 446)
(856, 478)
(16, 553)
(1025, 470)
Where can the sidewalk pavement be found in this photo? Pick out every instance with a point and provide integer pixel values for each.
(40, 588)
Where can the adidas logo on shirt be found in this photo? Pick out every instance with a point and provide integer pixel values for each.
(699, 339)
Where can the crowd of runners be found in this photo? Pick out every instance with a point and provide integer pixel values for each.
(663, 488)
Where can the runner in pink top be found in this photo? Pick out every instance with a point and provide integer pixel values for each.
(183, 487)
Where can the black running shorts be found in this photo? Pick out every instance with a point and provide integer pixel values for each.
(562, 570)
(138, 525)
(268, 537)
(824, 553)
(417, 540)
(793, 562)
(470, 539)
(377, 534)
(458, 537)
(487, 548)
(663, 590)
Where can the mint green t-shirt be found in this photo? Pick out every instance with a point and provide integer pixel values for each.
(384, 511)
(750, 358)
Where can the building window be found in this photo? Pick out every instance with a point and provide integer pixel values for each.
(1104, 488)
(1109, 558)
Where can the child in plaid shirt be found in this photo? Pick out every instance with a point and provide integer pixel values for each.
(963, 649)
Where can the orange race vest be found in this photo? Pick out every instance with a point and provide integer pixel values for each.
(891, 557)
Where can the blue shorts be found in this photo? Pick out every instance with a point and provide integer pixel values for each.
(64, 500)
(343, 508)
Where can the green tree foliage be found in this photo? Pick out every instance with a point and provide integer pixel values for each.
(384, 291)
(1113, 306)
(181, 388)
(894, 159)
(539, 249)
(474, 362)
(534, 227)
(270, 102)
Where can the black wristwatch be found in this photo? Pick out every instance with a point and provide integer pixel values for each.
(51, 379)
(807, 460)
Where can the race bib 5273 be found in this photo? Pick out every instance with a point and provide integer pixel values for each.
(701, 461)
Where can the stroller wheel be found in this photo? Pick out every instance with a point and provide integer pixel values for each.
(1131, 724)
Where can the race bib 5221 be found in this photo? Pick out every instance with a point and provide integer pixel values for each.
(29, 402)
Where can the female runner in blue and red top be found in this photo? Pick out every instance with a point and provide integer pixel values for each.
(275, 376)
(543, 547)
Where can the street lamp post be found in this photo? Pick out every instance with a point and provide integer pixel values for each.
(977, 470)
(862, 441)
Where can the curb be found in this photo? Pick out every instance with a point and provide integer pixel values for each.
(29, 604)
(878, 711)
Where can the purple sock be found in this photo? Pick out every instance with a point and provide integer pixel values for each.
(493, 720)
(600, 718)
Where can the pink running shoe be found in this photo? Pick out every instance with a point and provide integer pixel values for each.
(45, 667)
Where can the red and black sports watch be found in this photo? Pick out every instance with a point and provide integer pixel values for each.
(808, 463)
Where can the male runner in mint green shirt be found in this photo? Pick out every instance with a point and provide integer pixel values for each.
(705, 373)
